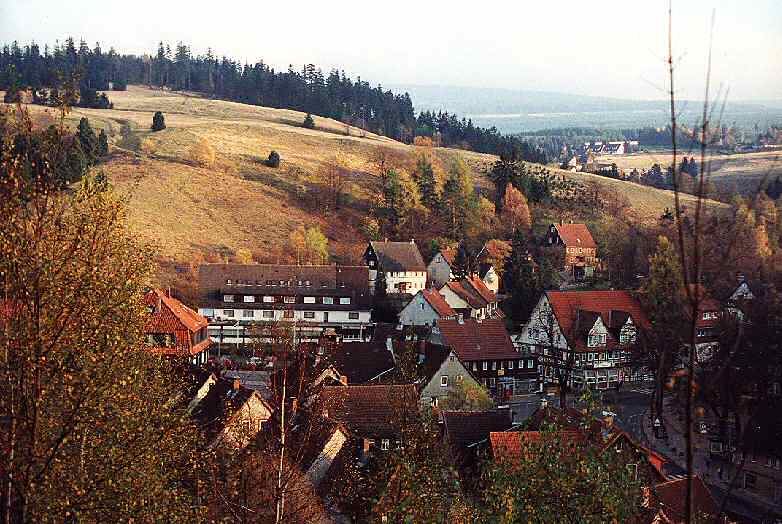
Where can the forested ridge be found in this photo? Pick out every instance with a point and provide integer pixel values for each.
(333, 95)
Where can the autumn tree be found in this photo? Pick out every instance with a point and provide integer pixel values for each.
(427, 182)
(515, 210)
(459, 201)
(310, 245)
(395, 203)
(557, 477)
(467, 396)
(496, 252)
(86, 414)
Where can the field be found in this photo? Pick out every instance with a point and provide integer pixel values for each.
(187, 209)
(742, 172)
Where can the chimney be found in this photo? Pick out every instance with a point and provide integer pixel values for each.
(343, 379)
(237, 383)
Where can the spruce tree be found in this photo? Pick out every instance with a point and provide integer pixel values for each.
(158, 121)
(309, 123)
(103, 144)
(88, 140)
(427, 183)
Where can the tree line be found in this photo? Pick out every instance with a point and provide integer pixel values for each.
(310, 90)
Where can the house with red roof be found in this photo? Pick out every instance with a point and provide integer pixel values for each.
(426, 308)
(485, 348)
(585, 337)
(174, 329)
(578, 247)
(471, 298)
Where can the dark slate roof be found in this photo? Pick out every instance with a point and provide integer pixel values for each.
(219, 404)
(398, 256)
(477, 340)
(464, 428)
(370, 411)
(362, 361)
(215, 280)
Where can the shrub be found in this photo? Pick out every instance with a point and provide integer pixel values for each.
(158, 121)
(202, 153)
(309, 123)
(103, 143)
(273, 160)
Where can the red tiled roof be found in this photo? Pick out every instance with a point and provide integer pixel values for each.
(567, 305)
(181, 315)
(369, 411)
(438, 303)
(171, 317)
(474, 300)
(509, 445)
(576, 235)
(480, 287)
(477, 340)
(673, 494)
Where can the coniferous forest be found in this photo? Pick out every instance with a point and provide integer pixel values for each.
(49, 72)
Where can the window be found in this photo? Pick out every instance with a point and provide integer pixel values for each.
(249, 298)
(268, 314)
(289, 300)
(444, 381)
(228, 313)
(328, 300)
(247, 313)
(385, 444)
(475, 366)
(309, 300)
(750, 480)
(510, 364)
(521, 363)
(493, 365)
(269, 283)
(344, 300)
(268, 299)
(309, 314)
(353, 315)
(492, 382)
(597, 340)
(228, 281)
(228, 298)
(590, 357)
(530, 363)
(288, 313)
(434, 402)
(459, 378)
(485, 365)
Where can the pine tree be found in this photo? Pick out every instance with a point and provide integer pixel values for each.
(103, 144)
(427, 183)
(88, 140)
(158, 121)
(308, 123)
(520, 279)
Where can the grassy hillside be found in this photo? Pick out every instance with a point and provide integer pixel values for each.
(187, 209)
(743, 172)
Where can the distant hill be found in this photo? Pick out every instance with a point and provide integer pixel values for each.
(188, 210)
(514, 111)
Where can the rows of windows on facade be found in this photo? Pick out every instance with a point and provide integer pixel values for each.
(502, 364)
(268, 299)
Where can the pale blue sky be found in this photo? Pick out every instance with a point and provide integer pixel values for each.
(604, 48)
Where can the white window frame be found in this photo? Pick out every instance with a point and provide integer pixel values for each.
(228, 298)
(249, 298)
(328, 300)
(287, 299)
(309, 300)
(485, 365)
(444, 381)
(344, 301)
(247, 313)
(309, 315)
(385, 444)
(268, 299)
(510, 364)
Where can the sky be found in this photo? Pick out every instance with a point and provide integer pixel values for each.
(606, 48)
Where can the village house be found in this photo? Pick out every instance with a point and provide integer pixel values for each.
(362, 362)
(373, 414)
(467, 432)
(489, 276)
(173, 329)
(578, 247)
(585, 336)
(426, 308)
(440, 268)
(443, 373)
(487, 351)
(400, 262)
(229, 414)
(318, 299)
(471, 298)
(759, 471)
